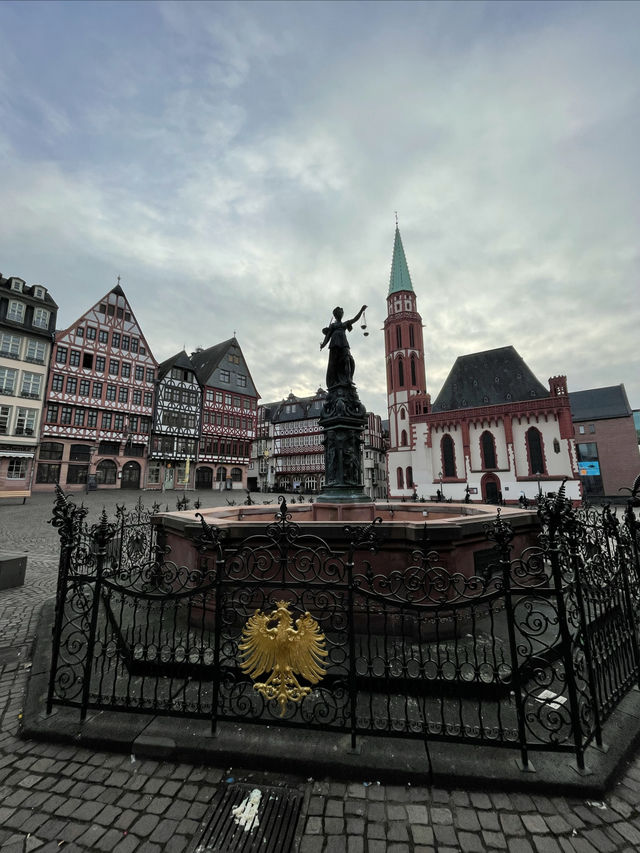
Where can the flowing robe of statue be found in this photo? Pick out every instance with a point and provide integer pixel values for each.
(341, 365)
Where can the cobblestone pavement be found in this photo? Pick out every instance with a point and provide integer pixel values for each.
(55, 798)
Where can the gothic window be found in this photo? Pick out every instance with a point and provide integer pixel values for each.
(413, 371)
(403, 438)
(402, 414)
(401, 373)
(400, 476)
(556, 445)
(398, 337)
(448, 456)
(411, 337)
(488, 450)
(409, 477)
(535, 452)
(391, 376)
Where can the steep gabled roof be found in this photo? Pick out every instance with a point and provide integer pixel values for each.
(300, 408)
(488, 378)
(180, 359)
(598, 404)
(209, 362)
(400, 279)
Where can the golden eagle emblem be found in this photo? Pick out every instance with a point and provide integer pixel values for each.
(283, 649)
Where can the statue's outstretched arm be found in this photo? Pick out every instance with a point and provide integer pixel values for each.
(357, 317)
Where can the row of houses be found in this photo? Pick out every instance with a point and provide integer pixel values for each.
(90, 407)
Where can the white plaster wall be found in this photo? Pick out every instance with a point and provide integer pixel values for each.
(557, 463)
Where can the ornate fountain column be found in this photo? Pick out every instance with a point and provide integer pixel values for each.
(343, 419)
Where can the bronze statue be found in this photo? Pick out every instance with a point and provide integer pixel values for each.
(341, 365)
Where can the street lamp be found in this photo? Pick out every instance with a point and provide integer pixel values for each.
(441, 491)
(538, 474)
(92, 451)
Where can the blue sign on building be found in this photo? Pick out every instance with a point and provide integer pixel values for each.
(589, 469)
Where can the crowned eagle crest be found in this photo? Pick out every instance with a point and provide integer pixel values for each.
(284, 649)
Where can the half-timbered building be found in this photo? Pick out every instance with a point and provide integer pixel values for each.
(229, 413)
(27, 325)
(99, 401)
(176, 425)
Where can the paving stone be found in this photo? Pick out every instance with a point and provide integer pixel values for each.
(334, 825)
(145, 825)
(396, 812)
(422, 834)
(417, 814)
(334, 808)
(494, 840)
(357, 791)
(546, 844)
(519, 845)
(445, 835)
(129, 843)
(489, 820)
(314, 826)
(470, 843)
(376, 847)
(376, 811)
(316, 806)
(355, 807)
(534, 823)
(397, 831)
(311, 844)
(89, 839)
(336, 844)
(376, 830)
(397, 848)
(355, 844)
(480, 801)
(164, 831)
(441, 816)
(629, 832)
(355, 826)
(467, 819)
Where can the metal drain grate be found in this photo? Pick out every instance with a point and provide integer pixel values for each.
(243, 818)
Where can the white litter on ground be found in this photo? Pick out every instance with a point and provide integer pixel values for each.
(246, 814)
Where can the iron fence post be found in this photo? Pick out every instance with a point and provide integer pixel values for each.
(573, 531)
(553, 514)
(632, 526)
(102, 533)
(353, 690)
(502, 535)
(68, 518)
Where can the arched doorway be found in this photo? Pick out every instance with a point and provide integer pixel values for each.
(204, 478)
(490, 489)
(130, 476)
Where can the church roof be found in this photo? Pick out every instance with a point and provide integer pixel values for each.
(400, 279)
(490, 378)
(600, 403)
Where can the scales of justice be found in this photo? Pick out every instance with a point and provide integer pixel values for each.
(343, 417)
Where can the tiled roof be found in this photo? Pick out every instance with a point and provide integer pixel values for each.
(490, 378)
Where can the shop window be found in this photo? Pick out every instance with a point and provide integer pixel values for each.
(77, 473)
(47, 473)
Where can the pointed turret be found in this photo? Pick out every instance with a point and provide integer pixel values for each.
(400, 280)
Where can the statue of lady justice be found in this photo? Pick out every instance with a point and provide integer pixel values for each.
(341, 365)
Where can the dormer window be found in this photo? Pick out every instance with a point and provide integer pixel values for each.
(17, 284)
(39, 292)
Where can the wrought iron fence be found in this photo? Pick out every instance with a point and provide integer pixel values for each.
(534, 655)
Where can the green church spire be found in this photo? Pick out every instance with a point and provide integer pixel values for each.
(400, 278)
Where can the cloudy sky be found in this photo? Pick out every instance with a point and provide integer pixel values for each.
(240, 165)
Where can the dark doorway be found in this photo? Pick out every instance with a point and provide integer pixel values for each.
(130, 476)
(204, 478)
(491, 489)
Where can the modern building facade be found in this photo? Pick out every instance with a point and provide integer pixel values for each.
(175, 432)
(99, 401)
(229, 416)
(606, 441)
(27, 326)
(494, 432)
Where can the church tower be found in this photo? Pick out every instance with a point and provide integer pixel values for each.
(406, 378)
